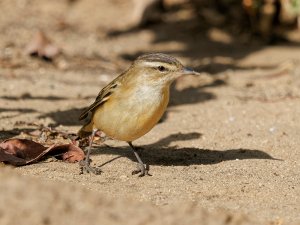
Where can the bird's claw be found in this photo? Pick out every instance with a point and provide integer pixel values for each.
(142, 170)
(85, 167)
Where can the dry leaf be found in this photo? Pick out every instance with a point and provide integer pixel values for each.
(6, 157)
(20, 152)
(22, 148)
(42, 47)
(72, 153)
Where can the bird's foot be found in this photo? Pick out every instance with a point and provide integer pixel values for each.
(142, 170)
(85, 167)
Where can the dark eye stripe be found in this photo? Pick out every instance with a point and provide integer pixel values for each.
(161, 68)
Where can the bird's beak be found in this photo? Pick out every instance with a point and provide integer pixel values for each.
(204, 77)
(188, 71)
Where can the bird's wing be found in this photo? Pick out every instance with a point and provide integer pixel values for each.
(102, 97)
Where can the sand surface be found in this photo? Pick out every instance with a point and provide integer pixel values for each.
(226, 152)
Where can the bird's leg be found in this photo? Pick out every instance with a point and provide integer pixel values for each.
(85, 164)
(142, 168)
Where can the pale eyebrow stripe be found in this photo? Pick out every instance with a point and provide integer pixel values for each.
(156, 64)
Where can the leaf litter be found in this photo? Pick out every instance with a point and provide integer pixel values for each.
(41, 46)
(21, 151)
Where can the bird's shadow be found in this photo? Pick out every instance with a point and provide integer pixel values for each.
(160, 153)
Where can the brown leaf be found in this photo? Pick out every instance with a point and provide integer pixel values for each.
(20, 152)
(22, 148)
(72, 153)
(42, 47)
(6, 157)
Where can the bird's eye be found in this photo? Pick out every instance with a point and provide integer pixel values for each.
(162, 68)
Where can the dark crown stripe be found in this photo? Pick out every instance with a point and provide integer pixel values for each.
(158, 57)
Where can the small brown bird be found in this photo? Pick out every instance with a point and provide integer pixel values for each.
(130, 106)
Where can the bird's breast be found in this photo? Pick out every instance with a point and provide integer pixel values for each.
(130, 114)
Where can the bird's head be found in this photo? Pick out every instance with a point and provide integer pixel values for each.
(159, 68)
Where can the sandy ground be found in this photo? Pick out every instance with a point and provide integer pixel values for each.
(227, 148)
